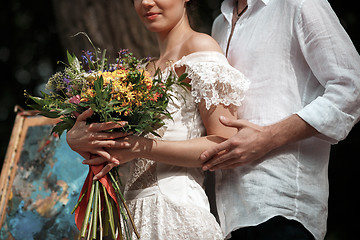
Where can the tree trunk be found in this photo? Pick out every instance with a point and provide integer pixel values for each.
(111, 25)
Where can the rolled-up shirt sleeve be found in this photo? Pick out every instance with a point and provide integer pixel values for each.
(335, 63)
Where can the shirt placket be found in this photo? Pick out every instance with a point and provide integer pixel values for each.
(235, 30)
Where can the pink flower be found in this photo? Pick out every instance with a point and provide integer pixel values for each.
(75, 99)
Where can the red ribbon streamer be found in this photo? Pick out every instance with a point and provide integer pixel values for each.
(81, 209)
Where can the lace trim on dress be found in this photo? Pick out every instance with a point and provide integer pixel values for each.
(217, 84)
(214, 81)
(143, 174)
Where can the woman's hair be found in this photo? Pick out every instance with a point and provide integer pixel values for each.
(191, 9)
(191, 5)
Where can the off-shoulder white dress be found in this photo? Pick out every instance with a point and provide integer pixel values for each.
(169, 202)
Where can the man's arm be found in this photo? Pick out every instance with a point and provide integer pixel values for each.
(253, 142)
(332, 115)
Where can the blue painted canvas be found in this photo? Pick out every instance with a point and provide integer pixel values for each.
(46, 187)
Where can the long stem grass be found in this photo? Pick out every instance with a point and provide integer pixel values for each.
(103, 215)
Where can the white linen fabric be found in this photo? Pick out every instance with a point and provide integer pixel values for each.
(299, 60)
(169, 202)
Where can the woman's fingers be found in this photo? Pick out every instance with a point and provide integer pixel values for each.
(104, 171)
(95, 161)
(102, 156)
(107, 156)
(93, 136)
(98, 161)
(85, 115)
(98, 127)
(111, 144)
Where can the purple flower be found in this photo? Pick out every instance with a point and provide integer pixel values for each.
(69, 88)
(87, 56)
(66, 80)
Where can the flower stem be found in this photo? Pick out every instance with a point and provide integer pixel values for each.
(117, 189)
(110, 212)
(95, 210)
(87, 213)
(90, 226)
(79, 201)
(100, 220)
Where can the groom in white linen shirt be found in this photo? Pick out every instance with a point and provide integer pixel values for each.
(272, 178)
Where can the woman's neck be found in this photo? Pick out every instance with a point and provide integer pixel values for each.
(170, 41)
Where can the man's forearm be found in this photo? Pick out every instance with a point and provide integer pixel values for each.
(290, 130)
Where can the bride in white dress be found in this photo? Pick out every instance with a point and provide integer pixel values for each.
(163, 179)
(167, 201)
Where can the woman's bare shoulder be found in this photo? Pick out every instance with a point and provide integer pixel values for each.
(199, 42)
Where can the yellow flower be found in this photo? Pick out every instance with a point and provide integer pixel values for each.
(120, 73)
(129, 95)
(89, 93)
(147, 79)
(120, 88)
(127, 112)
(107, 76)
(138, 103)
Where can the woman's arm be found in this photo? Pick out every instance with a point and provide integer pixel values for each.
(180, 153)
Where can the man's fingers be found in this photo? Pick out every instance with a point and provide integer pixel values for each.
(213, 151)
(85, 115)
(228, 164)
(236, 123)
(232, 166)
(215, 161)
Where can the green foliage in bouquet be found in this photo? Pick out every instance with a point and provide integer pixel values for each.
(120, 91)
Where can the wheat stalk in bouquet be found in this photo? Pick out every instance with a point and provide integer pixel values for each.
(120, 91)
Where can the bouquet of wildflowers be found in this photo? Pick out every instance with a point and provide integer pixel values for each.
(119, 91)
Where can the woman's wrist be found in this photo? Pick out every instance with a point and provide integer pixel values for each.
(141, 147)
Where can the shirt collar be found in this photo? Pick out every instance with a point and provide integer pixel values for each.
(266, 1)
(227, 7)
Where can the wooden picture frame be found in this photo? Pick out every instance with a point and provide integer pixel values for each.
(40, 182)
